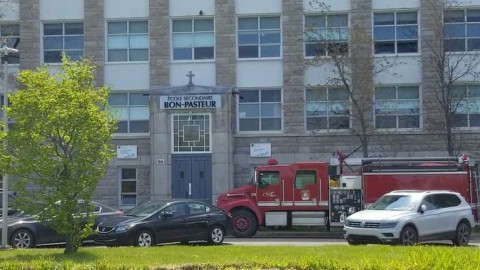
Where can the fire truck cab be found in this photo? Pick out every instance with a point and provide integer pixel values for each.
(304, 193)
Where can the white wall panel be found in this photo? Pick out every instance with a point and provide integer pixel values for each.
(10, 11)
(382, 4)
(319, 75)
(260, 74)
(191, 7)
(204, 74)
(325, 5)
(126, 9)
(258, 6)
(61, 10)
(127, 76)
(406, 69)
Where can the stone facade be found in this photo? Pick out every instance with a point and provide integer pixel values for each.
(232, 165)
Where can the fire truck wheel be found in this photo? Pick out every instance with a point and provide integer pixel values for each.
(244, 223)
(408, 236)
(462, 235)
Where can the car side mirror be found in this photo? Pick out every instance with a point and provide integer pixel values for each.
(423, 208)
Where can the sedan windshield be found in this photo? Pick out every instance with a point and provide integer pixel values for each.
(145, 209)
(394, 202)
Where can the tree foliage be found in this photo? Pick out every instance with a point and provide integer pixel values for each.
(59, 146)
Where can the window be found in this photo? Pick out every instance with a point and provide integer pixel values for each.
(271, 178)
(176, 210)
(132, 111)
(128, 187)
(397, 107)
(259, 37)
(260, 110)
(191, 133)
(10, 33)
(127, 41)
(327, 108)
(193, 39)
(465, 103)
(303, 178)
(395, 32)
(326, 34)
(462, 30)
(62, 37)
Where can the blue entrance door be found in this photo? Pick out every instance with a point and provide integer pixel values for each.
(192, 176)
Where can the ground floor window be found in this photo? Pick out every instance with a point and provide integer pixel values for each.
(260, 110)
(132, 111)
(128, 187)
(465, 103)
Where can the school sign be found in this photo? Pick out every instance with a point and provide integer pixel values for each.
(190, 102)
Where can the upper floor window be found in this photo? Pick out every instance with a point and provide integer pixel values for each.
(326, 34)
(193, 39)
(10, 36)
(62, 37)
(259, 37)
(327, 108)
(395, 32)
(132, 111)
(260, 110)
(465, 104)
(127, 41)
(462, 30)
(397, 107)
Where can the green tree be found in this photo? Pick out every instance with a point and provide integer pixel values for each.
(59, 146)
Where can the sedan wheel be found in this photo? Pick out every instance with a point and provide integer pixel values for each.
(144, 239)
(22, 239)
(408, 236)
(216, 235)
(462, 235)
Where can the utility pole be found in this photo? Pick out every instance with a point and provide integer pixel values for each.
(4, 51)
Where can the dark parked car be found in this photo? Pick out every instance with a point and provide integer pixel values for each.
(158, 222)
(25, 231)
(11, 200)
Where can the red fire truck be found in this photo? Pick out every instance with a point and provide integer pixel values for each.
(302, 193)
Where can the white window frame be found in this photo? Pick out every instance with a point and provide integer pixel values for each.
(397, 102)
(329, 113)
(465, 23)
(128, 36)
(120, 191)
(118, 109)
(396, 40)
(259, 104)
(469, 103)
(63, 36)
(332, 34)
(258, 31)
(176, 136)
(13, 58)
(192, 33)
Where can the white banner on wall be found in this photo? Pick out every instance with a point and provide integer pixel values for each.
(260, 150)
(126, 151)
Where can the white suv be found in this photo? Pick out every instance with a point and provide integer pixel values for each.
(410, 216)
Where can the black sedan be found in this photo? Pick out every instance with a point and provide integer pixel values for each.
(25, 231)
(158, 222)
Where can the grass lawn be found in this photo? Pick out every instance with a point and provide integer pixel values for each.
(246, 257)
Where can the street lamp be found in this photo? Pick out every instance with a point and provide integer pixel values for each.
(4, 51)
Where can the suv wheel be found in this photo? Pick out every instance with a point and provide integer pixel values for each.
(408, 236)
(462, 234)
